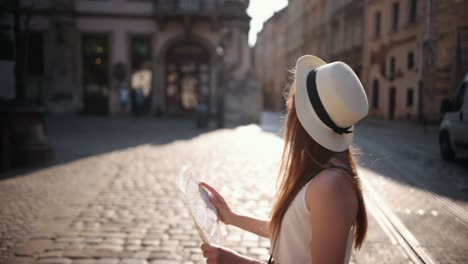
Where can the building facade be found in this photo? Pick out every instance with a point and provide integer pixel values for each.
(445, 53)
(294, 43)
(415, 53)
(316, 28)
(346, 32)
(171, 56)
(409, 54)
(270, 61)
(392, 57)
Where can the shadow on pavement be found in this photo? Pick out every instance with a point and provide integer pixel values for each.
(74, 136)
(409, 153)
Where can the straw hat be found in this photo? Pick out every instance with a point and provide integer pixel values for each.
(330, 99)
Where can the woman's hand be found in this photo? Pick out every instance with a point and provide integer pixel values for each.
(224, 212)
(256, 226)
(216, 254)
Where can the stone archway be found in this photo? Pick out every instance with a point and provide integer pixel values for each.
(178, 51)
(187, 78)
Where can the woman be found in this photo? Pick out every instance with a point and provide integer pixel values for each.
(319, 209)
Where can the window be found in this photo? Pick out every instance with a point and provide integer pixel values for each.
(375, 94)
(409, 97)
(95, 63)
(35, 57)
(7, 50)
(410, 62)
(377, 24)
(392, 66)
(140, 51)
(189, 5)
(395, 15)
(413, 10)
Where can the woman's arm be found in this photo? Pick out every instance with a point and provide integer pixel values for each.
(256, 226)
(332, 203)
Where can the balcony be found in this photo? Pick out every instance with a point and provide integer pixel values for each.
(186, 7)
(189, 11)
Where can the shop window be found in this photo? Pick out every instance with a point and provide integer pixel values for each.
(95, 72)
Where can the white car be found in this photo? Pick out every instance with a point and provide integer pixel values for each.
(453, 132)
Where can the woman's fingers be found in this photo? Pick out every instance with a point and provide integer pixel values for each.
(210, 252)
(212, 190)
(224, 212)
(217, 254)
(209, 255)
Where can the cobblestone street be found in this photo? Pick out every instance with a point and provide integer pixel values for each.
(111, 196)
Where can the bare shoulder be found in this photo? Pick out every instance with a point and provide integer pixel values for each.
(331, 181)
(332, 190)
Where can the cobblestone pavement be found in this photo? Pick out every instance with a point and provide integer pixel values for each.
(112, 197)
(40, 202)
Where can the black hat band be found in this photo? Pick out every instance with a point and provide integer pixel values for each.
(318, 106)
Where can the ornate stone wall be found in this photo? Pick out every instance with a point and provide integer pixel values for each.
(212, 24)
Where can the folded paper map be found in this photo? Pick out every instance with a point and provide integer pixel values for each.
(202, 211)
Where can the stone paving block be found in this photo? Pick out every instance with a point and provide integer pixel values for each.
(107, 261)
(196, 257)
(21, 260)
(93, 240)
(133, 261)
(32, 247)
(106, 253)
(51, 254)
(109, 247)
(160, 254)
(169, 262)
(83, 261)
(54, 261)
(151, 242)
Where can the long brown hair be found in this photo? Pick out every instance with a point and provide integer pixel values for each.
(302, 159)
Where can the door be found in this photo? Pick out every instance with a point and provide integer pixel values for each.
(392, 103)
(95, 70)
(187, 79)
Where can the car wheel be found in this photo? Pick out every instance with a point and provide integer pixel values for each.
(446, 150)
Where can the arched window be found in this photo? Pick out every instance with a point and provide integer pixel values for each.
(375, 94)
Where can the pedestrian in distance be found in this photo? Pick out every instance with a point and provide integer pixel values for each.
(124, 97)
(319, 210)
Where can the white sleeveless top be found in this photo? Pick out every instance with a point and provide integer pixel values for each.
(295, 235)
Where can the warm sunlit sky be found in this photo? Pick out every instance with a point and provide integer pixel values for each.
(260, 11)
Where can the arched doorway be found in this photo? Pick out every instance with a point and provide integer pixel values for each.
(187, 78)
